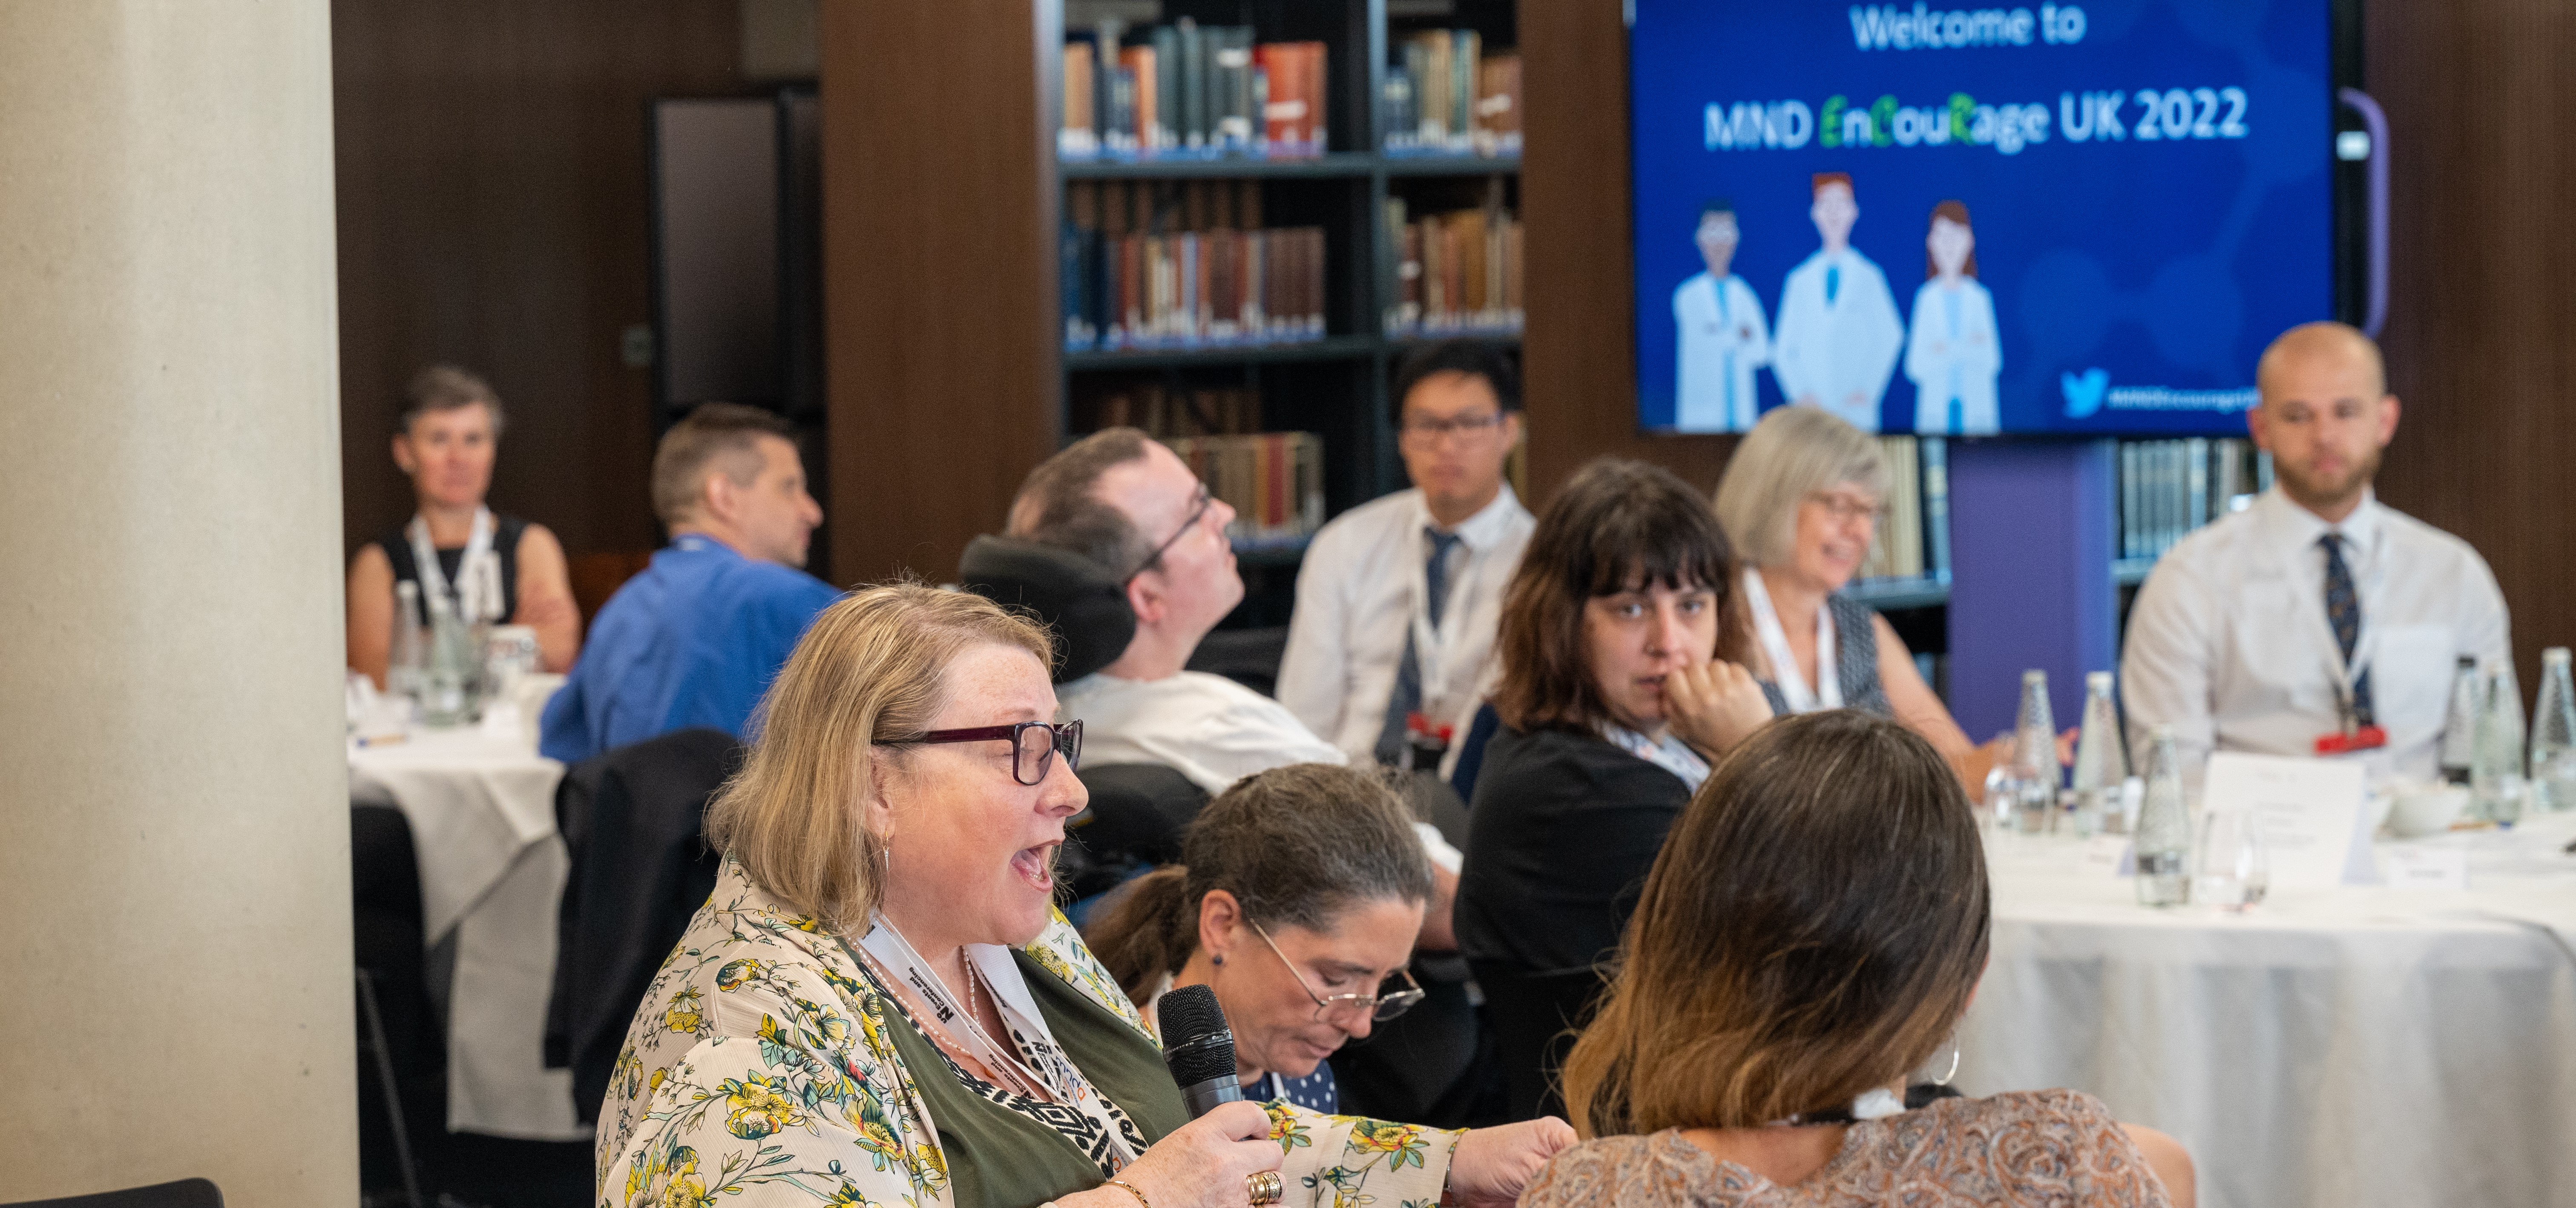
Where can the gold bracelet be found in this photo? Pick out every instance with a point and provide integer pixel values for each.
(1130, 1188)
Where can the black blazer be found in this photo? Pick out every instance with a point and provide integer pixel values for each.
(1562, 832)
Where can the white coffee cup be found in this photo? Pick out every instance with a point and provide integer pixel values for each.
(2427, 810)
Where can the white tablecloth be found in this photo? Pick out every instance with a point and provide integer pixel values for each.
(492, 870)
(2353, 1046)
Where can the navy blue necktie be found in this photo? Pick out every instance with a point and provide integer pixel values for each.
(1407, 697)
(2343, 612)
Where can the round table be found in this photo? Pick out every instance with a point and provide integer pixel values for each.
(2348, 1046)
(481, 807)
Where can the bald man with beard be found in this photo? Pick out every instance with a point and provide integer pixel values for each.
(2318, 611)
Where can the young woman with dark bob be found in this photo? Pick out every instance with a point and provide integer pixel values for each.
(1809, 937)
(1620, 683)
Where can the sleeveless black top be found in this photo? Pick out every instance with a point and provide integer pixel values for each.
(506, 531)
(1855, 664)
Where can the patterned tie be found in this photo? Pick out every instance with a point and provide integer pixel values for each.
(2343, 611)
(1392, 747)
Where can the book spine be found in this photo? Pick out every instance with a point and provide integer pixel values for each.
(1194, 85)
(1167, 87)
(1936, 507)
(1462, 88)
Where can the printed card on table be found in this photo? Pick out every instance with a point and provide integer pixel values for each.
(2310, 810)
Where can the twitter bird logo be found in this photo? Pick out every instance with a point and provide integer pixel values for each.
(2084, 394)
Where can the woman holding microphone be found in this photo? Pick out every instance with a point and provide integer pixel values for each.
(879, 1004)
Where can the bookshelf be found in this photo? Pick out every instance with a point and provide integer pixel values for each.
(950, 368)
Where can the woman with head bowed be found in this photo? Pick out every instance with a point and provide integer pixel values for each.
(879, 1003)
(1619, 687)
(1807, 941)
(1801, 501)
(1297, 901)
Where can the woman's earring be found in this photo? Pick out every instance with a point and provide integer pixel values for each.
(1218, 960)
(1953, 1071)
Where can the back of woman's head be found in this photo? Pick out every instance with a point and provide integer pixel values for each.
(1813, 928)
(870, 669)
(1296, 846)
(1616, 525)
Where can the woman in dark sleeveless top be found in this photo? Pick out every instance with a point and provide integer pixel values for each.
(1801, 501)
(446, 441)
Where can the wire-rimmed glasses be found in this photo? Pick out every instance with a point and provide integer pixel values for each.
(1382, 1006)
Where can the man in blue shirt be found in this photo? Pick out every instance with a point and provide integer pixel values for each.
(696, 638)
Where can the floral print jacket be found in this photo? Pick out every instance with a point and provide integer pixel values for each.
(759, 1069)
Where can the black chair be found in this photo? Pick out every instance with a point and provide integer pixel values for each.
(401, 1048)
(1134, 822)
(1249, 657)
(632, 822)
(185, 1193)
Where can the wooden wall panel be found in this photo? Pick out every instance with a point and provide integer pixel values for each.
(939, 253)
(2481, 335)
(1580, 374)
(492, 212)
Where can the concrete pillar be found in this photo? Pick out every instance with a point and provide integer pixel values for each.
(174, 886)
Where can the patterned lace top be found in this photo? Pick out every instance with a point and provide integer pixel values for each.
(2025, 1147)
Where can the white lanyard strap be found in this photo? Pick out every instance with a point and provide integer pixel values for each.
(2345, 673)
(478, 573)
(1828, 692)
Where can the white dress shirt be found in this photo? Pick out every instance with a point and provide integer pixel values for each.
(1833, 349)
(1207, 727)
(2228, 642)
(1357, 594)
(1722, 336)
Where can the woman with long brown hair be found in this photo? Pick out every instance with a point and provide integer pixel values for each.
(1619, 686)
(1809, 937)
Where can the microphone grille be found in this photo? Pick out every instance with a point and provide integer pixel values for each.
(1188, 1017)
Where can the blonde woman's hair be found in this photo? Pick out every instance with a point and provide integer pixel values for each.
(1812, 928)
(1793, 453)
(871, 669)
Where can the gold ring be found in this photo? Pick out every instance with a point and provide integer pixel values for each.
(1265, 1188)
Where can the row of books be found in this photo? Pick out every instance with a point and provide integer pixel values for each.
(1166, 412)
(1455, 273)
(1913, 540)
(2167, 488)
(1447, 97)
(1274, 481)
(1139, 271)
(1190, 91)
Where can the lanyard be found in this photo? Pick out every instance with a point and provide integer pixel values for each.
(1828, 694)
(2340, 673)
(478, 573)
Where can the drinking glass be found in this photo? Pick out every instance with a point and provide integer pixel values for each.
(2234, 869)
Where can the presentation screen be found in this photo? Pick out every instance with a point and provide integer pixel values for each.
(2057, 219)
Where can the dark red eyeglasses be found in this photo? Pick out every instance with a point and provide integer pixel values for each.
(1034, 745)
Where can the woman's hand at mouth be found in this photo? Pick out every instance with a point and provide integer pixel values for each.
(1714, 705)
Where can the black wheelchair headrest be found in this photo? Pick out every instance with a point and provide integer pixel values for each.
(1080, 600)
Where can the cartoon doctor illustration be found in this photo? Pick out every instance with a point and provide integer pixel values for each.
(1839, 334)
(1721, 332)
(1952, 352)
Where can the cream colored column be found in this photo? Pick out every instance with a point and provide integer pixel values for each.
(174, 885)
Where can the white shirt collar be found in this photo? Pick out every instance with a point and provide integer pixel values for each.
(1485, 529)
(2294, 530)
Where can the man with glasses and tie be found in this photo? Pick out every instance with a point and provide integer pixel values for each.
(2318, 621)
(1391, 647)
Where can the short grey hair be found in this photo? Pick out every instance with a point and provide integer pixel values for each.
(1796, 451)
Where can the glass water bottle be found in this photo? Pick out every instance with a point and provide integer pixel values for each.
(2496, 785)
(404, 660)
(447, 679)
(2100, 764)
(2034, 756)
(2553, 735)
(2460, 723)
(2164, 828)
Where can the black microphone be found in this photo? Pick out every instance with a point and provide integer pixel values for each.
(1199, 1048)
